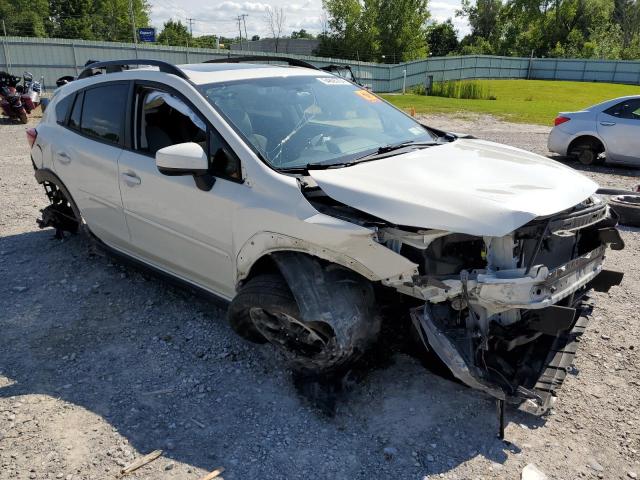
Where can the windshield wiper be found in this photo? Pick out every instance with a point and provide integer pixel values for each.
(410, 143)
(381, 152)
(316, 166)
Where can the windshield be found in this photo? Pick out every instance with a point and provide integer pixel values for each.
(304, 120)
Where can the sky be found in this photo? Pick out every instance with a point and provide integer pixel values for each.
(220, 17)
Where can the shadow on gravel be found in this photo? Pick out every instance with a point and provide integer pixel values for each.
(162, 367)
(9, 121)
(621, 170)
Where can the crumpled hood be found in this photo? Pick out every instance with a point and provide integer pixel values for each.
(466, 186)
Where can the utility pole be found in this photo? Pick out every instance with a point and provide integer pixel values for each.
(239, 19)
(133, 22)
(246, 37)
(7, 60)
(133, 27)
(191, 20)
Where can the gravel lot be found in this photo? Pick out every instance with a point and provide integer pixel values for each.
(100, 364)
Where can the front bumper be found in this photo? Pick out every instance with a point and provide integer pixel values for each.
(510, 328)
(536, 397)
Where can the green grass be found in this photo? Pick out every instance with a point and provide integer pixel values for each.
(466, 89)
(523, 101)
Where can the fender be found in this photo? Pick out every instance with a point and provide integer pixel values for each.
(385, 263)
(588, 133)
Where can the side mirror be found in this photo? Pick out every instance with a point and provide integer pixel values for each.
(186, 159)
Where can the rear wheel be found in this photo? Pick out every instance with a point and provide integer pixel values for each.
(588, 151)
(265, 310)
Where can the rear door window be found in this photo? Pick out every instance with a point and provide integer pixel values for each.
(627, 109)
(103, 112)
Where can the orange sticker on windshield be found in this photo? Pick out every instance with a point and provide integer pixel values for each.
(368, 96)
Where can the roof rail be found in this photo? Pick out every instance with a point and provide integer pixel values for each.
(294, 62)
(113, 66)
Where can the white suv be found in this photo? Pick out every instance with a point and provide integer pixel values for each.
(299, 196)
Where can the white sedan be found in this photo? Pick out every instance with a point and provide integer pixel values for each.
(609, 130)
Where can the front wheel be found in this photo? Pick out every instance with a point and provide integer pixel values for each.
(265, 310)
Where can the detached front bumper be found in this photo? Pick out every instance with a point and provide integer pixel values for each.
(536, 397)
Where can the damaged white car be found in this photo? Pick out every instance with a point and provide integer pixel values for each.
(298, 196)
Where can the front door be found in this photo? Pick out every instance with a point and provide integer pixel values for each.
(174, 224)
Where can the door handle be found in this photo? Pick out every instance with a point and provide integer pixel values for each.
(607, 124)
(131, 179)
(64, 158)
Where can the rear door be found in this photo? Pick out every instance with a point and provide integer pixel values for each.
(175, 225)
(86, 157)
(619, 127)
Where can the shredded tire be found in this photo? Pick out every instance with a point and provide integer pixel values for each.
(270, 296)
(628, 209)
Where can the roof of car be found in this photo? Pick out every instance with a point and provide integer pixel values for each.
(202, 73)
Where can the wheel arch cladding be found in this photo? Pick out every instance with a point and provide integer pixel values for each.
(330, 293)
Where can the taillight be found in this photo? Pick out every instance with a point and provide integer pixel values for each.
(32, 134)
(560, 120)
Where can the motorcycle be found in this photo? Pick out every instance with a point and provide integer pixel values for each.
(18, 101)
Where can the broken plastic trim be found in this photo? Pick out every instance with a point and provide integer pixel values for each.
(448, 352)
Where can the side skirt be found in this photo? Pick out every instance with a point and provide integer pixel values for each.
(159, 273)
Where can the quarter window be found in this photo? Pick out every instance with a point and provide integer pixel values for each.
(103, 112)
(62, 108)
(76, 112)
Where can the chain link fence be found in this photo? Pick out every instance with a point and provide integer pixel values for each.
(52, 58)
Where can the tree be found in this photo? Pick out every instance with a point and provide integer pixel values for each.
(442, 38)
(174, 33)
(84, 19)
(402, 28)
(302, 33)
(113, 19)
(373, 30)
(203, 41)
(24, 17)
(255, 38)
(626, 14)
(605, 41)
(73, 19)
(275, 19)
(342, 29)
(483, 17)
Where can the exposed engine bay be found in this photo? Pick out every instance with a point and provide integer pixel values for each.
(503, 313)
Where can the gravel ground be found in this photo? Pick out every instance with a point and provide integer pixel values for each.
(100, 364)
